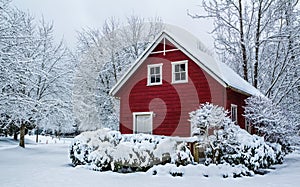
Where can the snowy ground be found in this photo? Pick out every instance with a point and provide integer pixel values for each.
(47, 164)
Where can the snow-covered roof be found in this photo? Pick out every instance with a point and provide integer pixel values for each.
(196, 50)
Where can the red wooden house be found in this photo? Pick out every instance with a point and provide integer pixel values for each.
(171, 78)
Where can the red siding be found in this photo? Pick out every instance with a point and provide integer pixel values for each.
(160, 46)
(171, 103)
(237, 98)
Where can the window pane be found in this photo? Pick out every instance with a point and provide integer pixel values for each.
(157, 79)
(234, 113)
(182, 67)
(143, 124)
(157, 70)
(183, 76)
(152, 78)
(176, 68)
(151, 71)
(177, 76)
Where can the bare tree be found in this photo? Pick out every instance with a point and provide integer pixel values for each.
(110, 51)
(259, 39)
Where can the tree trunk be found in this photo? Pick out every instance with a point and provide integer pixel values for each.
(15, 135)
(37, 135)
(257, 45)
(22, 135)
(242, 42)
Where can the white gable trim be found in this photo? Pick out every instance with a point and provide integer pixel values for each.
(148, 51)
(135, 65)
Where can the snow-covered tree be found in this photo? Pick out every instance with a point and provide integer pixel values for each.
(105, 55)
(17, 52)
(259, 39)
(228, 143)
(54, 84)
(35, 74)
(208, 116)
(270, 121)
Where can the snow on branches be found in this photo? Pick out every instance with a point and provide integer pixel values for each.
(35, 75)
(207, 116)
(270, 121)
(228, 143)
(104, 55)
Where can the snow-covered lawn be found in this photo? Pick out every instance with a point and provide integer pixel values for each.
(48, 165)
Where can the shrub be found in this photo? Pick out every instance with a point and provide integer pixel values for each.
(104, 150)
(270, 121)
(231, 144)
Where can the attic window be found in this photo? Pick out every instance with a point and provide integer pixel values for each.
(234, 113)
(154, 74)
(180, 72)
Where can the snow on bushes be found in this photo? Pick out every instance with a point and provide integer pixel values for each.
(229, 143)
(104, 150)
(207, 116)
(271, 121)
(236, 146)
(221, 170)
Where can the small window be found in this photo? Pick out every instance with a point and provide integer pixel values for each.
(234, 113)
(154, 74)
(180, 72)
(142, 122)
(248, 126)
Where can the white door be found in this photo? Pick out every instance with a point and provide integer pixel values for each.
(143, 122)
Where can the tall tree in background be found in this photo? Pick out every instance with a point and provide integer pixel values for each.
(104, 55)
(17, 53)
(259, 39)
(54, 83)
(35, 75)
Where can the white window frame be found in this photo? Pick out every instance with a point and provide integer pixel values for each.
(135, 114)
(186, 71)
(233, 106)
(149, 75)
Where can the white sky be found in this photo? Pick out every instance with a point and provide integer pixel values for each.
(70, 16)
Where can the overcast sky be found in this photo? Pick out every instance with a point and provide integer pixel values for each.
(70, 16)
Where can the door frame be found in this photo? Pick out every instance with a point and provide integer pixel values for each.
(135, 114)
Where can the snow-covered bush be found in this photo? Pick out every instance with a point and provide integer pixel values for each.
(221, 170)
(104, 150)
(229, 143)
(270, 121)
(206, 117)
(237, 146)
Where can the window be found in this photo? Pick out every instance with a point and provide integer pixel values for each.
(142, 122)
(154, 74)
(180, 72)
(234, 113)
(248, 126)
